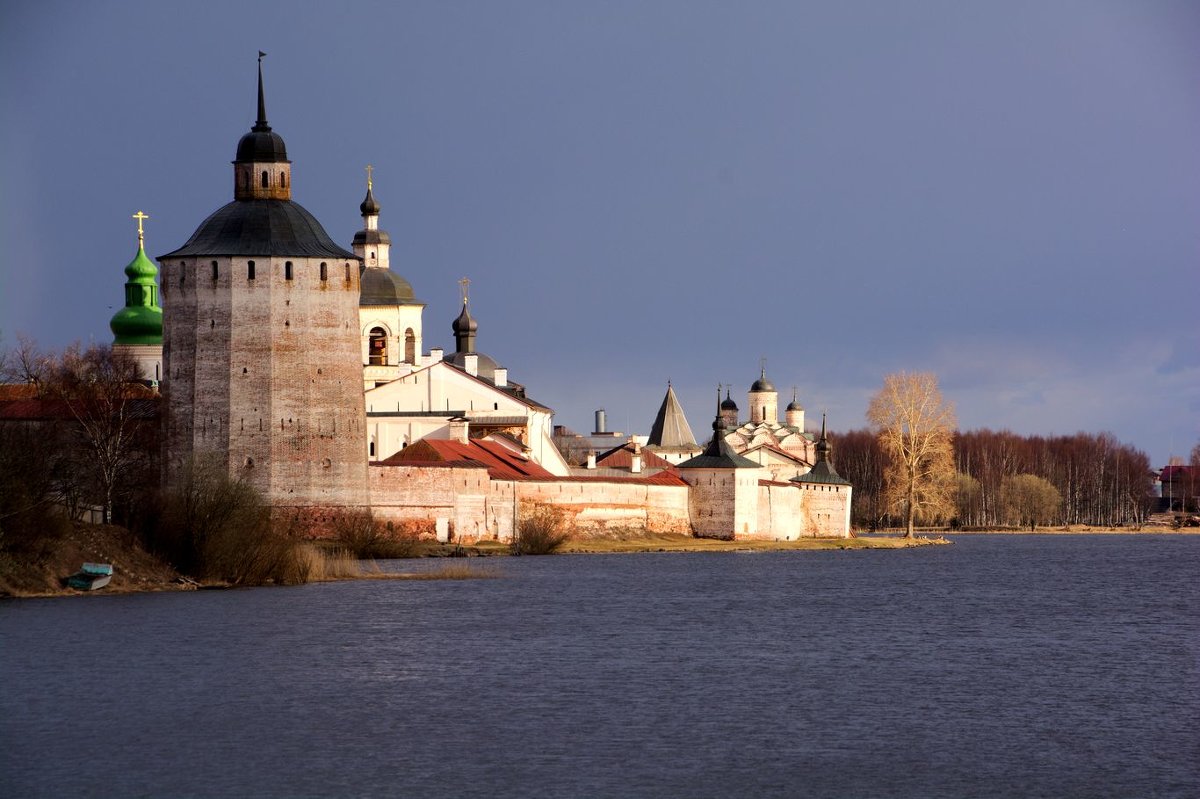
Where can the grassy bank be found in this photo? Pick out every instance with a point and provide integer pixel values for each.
(669, 542)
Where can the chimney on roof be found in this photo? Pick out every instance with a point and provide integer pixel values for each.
(591, 461)
(635, 464)
(460, 430)
(436, 354)
(600, 423)
(471, 364)
(500, 377)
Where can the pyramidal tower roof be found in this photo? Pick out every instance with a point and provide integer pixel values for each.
(670, 428)
(822, 470)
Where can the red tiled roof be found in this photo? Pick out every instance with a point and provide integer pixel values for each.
(500, 461)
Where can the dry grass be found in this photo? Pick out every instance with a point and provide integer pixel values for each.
(454, 571)
(627, 541)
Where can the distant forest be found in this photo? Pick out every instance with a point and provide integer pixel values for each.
(1100, 481)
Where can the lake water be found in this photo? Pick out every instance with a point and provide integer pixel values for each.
(1000, 666)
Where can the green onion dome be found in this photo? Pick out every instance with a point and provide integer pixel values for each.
(140, 321)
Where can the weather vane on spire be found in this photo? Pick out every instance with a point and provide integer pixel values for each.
(464, 284)
(139, 216)
(261, 56)
(369, 168)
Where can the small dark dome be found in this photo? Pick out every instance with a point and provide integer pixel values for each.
(369, 206)
(794, 405)
(385, 287)
(464, 323)
(762, 384)
(261, 145)
(728, 405)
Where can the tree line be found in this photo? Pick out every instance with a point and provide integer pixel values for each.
(1000, 478)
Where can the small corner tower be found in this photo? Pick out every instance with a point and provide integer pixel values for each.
(723, 502)
(138, 327)
(261, 343)
(827, 494)
(763, 399)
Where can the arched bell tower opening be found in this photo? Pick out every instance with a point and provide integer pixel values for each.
(410, 346)
(378, 352)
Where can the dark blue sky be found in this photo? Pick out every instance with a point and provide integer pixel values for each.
(1006, 194)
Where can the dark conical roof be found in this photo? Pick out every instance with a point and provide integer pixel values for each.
(822, 471)
(670, 428)
(261, 144)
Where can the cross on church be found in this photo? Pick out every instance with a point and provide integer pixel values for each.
(464, 284)
(762, 364)
(139, 216)
(369, 168)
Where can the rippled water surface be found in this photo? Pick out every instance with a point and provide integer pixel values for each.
(1000, 666)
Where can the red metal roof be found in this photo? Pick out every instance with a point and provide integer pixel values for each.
(500, 461)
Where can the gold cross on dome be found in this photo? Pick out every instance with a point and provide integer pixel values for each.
(139, 216)
(369, 168)
(464, 284)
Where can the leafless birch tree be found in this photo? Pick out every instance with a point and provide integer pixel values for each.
(916, 426)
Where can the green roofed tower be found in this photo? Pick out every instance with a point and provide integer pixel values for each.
(138, 327)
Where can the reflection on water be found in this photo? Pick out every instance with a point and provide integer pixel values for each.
(1001, 666)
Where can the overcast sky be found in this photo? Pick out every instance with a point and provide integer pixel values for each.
(1006, 194)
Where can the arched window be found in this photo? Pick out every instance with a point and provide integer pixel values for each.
(347, 273)
(265, 179)
(377, 347)
(410, 346)
(324, 271)
(283, 180)
(245, 180)
(250, 270)
(214, 268)
(287, 270)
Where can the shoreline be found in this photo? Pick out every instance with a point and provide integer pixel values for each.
(119, 548)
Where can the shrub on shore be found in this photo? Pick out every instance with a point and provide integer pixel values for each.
(542, 529)
(215, 528)
(366, 539)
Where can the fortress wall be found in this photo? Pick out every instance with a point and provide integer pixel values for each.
(826, 510)
(418, 496)
(598, 505)
(780, 512)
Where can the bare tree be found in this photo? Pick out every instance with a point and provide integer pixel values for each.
(916, 426)
(1029, 499)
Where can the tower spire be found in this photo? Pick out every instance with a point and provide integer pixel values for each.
(261, 123)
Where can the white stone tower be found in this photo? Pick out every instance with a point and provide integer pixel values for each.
(763, 399)
(261, 343)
